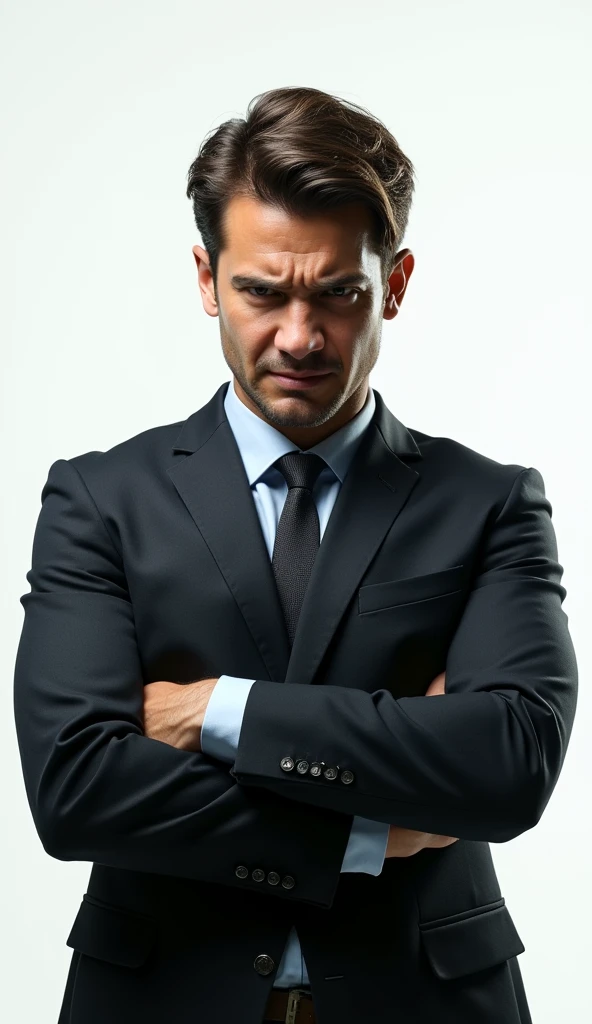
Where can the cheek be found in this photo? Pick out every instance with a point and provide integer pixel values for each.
(244, 346)
(244, 323)
(365, 339)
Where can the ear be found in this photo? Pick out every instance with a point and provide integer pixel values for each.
(205, 281)
(397, 283)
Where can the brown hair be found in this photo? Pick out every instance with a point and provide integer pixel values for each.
(303, 150)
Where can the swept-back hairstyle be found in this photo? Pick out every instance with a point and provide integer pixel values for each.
(304, 151)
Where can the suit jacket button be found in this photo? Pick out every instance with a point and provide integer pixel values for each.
(241, 871)
(316, 767)
(273, 877)
(257, 875)
(347, 776)
(331, 773)
(288, 882)
(287, 764)
(302, 767)
(263, 964)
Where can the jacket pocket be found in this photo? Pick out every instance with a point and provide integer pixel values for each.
(464, 943)
(377, 596)
(115, 934)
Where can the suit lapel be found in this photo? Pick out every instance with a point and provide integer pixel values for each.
(212, 482)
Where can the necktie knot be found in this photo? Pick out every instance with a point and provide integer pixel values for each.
(300, 469)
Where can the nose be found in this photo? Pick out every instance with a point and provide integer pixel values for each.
(297, 336)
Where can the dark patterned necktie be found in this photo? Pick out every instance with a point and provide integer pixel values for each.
(298, 533)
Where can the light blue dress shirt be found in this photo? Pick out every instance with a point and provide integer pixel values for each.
(260, 444)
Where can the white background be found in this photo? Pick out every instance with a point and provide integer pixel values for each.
(104, 105)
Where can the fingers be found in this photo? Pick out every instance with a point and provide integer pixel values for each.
(438, 842)
(404, 842)
(436, 687)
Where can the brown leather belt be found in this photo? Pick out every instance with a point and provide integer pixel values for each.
(291, 1006)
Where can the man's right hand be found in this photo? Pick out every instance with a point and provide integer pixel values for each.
(405, 842)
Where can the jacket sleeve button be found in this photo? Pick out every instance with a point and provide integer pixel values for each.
(302, 767)
(273, 877)
(288, 882)
(287, 764)
(257, 875)
(331, 773)
(347, 776)
(316, 768)
(241, 871)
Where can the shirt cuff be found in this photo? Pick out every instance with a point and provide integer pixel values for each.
(222, 722)
(366, 848)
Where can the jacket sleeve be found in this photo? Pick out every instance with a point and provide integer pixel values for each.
(98, 788)
(479, 762)
(220, 733)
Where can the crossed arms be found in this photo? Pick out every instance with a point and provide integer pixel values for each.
(481, 764)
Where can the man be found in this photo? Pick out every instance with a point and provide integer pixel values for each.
(236, 621)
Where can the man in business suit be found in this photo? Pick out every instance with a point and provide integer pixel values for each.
(234, 720)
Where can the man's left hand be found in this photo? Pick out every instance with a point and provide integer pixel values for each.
(174, 712)
(437, 687)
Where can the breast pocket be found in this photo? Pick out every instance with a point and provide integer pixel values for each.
(377, 597)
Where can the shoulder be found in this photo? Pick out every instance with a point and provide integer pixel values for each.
(465, 470)
(142, 456)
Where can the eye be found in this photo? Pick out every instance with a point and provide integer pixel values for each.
(340, 287)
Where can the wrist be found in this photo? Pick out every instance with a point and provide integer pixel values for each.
(202, 692)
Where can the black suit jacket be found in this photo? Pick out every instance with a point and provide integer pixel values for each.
(149, 563)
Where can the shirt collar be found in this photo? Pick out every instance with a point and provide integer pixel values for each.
(260, 444)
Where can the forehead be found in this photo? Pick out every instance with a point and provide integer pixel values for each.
(254, 229)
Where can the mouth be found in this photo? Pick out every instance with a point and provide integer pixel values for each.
(299, 383)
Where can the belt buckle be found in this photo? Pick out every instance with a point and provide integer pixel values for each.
(294, 996)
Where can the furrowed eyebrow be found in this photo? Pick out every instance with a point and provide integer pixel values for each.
(242, 281)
